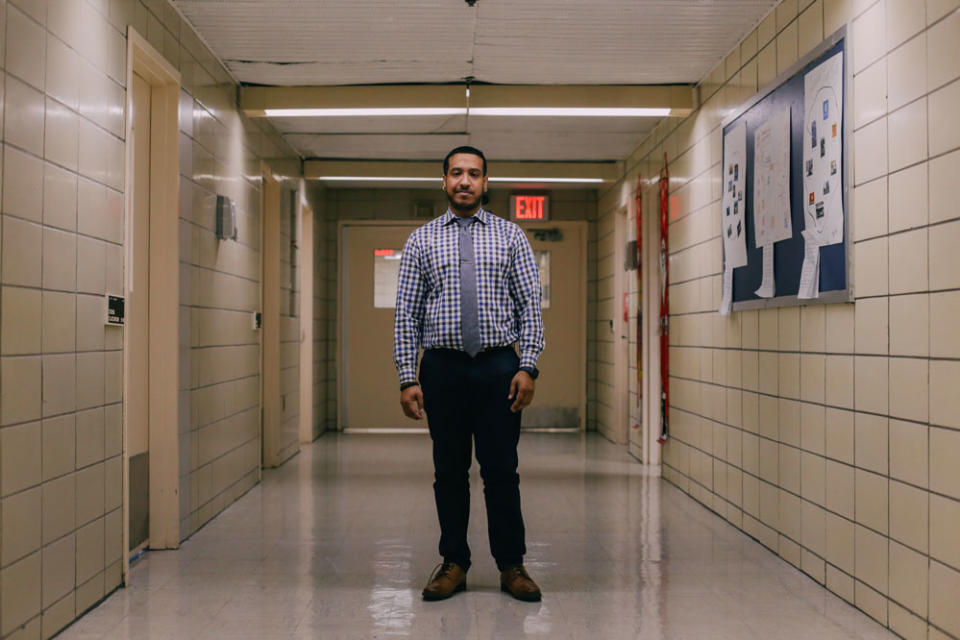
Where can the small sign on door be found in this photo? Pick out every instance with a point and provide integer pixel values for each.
(386, 271)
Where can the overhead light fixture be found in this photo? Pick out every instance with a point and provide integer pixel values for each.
(377, 179)
(365, 113)
(581, 112)
(544, 112)
(437, 179)
(553, 180)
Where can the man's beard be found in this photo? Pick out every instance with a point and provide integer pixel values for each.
(470, 206)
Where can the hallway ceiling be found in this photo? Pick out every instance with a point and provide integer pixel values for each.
(536, 42)
(330, 42)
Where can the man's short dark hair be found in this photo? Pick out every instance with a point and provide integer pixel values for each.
(464, 149)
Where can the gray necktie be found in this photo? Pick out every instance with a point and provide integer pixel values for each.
(469, 319)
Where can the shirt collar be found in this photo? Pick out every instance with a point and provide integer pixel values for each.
(449, 217)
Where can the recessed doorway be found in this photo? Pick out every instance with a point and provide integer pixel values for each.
(151, 339)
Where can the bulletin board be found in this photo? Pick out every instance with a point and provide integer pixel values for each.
(820, 204)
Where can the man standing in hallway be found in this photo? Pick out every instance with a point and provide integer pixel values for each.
(469, 289)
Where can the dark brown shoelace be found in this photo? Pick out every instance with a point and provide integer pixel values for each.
(515, 571)
(441, 569)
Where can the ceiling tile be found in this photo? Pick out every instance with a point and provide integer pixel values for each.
(331, 42)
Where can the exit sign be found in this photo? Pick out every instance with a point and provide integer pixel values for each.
(529, 207)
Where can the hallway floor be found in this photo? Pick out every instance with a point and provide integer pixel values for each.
(338, 543)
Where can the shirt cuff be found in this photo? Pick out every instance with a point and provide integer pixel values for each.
(408, 374)
(528, 360)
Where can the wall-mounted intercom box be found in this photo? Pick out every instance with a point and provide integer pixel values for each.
(115, 310)
(630, 257)
(226, 218)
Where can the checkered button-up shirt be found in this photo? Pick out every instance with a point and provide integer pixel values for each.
(428, 295)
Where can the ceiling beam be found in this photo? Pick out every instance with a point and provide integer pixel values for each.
(677, 98)
(255, 101)
(596, 172)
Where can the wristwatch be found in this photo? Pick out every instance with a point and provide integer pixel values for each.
(533, 372)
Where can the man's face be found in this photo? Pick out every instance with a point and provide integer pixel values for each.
(465, 183)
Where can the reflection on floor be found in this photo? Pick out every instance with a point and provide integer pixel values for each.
(339, 542)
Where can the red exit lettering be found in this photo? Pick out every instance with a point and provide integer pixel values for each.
(383, 252)
(529, 207)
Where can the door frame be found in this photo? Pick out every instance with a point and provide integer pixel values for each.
(306, 317)
(621, 333)
(650, 301)
(270, 314)
(274, 450)
(164, 299)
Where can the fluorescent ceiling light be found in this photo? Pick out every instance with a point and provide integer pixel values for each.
(583, 112)
(398, 111)
(376, 178)
(549, 112)
(561, 180)
(437, 179)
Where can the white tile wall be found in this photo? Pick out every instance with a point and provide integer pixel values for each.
(62, 102)
(869, 504)
(906, 68)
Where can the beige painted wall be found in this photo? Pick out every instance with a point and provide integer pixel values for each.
(61, 374)
(831, 433)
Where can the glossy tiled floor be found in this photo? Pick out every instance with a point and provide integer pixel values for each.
(339, 542)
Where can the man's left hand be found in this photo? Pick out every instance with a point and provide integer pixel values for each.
(521, 391)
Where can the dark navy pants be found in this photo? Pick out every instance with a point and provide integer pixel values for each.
(466, 402)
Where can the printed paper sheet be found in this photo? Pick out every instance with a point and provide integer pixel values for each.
(386, 273)
(726, 300)
(768, 284)
(810, 270)
(733, 203)
(771, 181)
(822, 145)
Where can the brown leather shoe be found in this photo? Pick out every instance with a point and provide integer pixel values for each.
(447, 579)
(515, 580)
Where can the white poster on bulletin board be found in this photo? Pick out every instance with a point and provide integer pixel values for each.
(733, 203)
(771, 181)
(822, 146)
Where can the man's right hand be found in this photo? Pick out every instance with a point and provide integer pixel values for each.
(411, 399)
